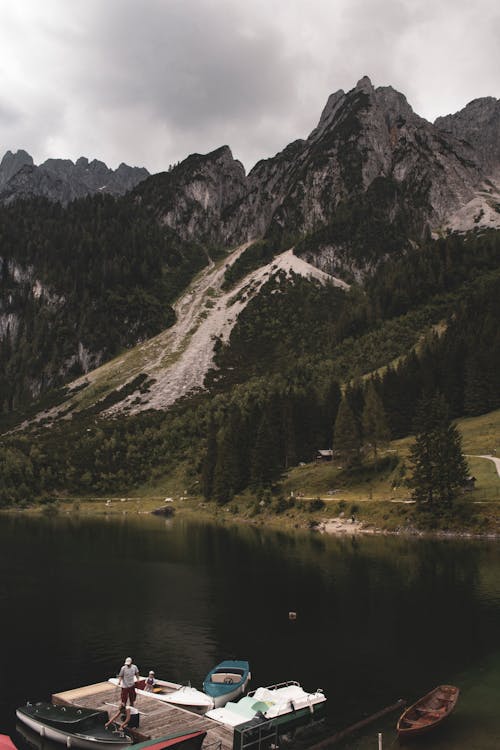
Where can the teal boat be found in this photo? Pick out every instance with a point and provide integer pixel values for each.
(227, 681)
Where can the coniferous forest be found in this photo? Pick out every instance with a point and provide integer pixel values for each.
(107, 276)
(305, 365)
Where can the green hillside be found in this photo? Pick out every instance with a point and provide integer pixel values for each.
(426, 320)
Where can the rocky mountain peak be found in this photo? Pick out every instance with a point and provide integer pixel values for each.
(479, 125)
(62, 180)
(195, 195)
(223, 153)
(364, 84)
(221, 157)
(396, 109)
(11, 164)
(333, 103)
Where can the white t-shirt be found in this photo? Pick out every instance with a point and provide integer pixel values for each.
(127, 675)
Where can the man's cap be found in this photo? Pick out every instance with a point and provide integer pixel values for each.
(151, 671)
(128, 660)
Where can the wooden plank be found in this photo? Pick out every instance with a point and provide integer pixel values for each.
(157, 719)
(72, 696)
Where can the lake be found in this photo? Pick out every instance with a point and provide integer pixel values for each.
(378, 618)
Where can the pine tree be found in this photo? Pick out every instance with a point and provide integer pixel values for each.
(346, 433)
(439, 466)
(209, 461)
(265, 466)
(289, 441)
(227, 471)
(375, 429)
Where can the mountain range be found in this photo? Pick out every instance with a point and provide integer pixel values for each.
(368, 144)
(369, 148)
(61, 179)
(368, 247)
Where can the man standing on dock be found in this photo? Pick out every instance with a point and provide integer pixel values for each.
(126, 680)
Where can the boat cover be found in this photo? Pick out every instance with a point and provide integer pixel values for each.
(63, 716)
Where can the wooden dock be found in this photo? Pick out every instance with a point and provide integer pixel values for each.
(157, 719)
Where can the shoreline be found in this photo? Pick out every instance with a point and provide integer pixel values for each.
(331, 526)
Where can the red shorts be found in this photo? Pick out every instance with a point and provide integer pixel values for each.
(128, 692)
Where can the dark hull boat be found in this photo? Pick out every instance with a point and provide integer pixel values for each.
(74, 726)
(185, 741)
(428, 712)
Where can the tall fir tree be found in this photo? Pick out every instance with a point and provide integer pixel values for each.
(265, 464)
(209, 461)
(346, 433)
(439, 466)
(228, 468)
(375, 428)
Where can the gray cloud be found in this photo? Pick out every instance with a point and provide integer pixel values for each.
(9, 116)
(150, 81)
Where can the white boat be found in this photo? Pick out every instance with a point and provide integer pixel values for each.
(172, 692)
(284, 702)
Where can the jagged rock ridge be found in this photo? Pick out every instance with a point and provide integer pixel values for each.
(369, 147)
(61, 179)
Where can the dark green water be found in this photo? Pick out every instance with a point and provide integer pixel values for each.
(377, 618)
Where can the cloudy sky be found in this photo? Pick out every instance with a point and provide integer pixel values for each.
(150, 81)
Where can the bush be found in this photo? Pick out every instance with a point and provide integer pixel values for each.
(255, 509)
(281, 505)
(316, 505)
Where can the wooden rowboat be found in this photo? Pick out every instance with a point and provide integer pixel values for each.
(428, 712)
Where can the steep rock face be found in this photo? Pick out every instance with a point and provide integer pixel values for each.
(33, 181)
(61, 180)
(11, 164)
(478, 127)
(478, 124)
(24, 290)
(367, 134)
(368, 147)
(196, 198)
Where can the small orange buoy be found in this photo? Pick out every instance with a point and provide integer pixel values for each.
(292, 615)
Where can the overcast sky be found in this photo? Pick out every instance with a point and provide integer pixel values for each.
(148, 82)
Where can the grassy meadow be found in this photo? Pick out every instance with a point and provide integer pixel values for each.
(314, 493)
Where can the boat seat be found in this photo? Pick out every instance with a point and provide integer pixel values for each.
(416, 722)
(243, 707)
(222, 677)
